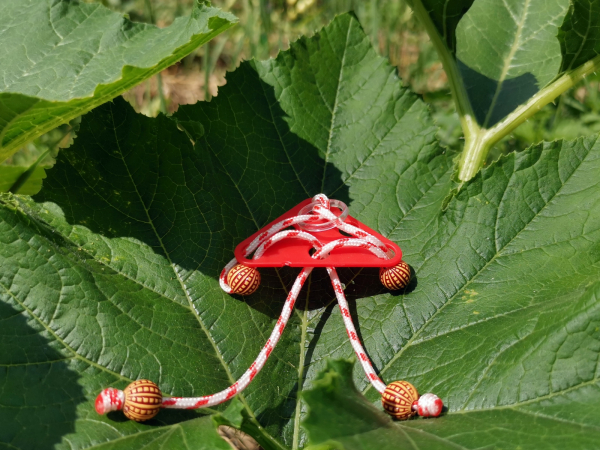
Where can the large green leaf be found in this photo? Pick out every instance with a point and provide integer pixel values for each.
(340, 418)
(48, 375)
(113, 267)
(507, 51)
(60, 59)
(504, 323)
(156, 219)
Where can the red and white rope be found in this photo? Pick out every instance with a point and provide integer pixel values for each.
(259, 245)
(241, 384)
(287, 235)
(352, 335)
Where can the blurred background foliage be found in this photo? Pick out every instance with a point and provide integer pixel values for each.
(268, 26)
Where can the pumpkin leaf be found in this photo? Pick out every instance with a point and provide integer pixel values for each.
(60, 59)
(341, 418)
(10, 174)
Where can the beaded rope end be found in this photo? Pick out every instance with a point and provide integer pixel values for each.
(140, 401)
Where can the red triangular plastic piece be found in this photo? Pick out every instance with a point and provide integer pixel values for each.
(295, 252)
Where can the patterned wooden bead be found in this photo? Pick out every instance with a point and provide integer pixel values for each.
(396, 277)
(398, 399)
(243, 280)
(142, 400)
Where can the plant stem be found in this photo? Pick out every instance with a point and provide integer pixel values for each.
(150, 11)
(541, 99)
(473, 156)
(478, 141)
(161, 95)
(478, 145)
(207, 71)
(301, 374)
(459, 93)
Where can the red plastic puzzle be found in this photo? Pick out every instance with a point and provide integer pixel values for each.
(316, 233)
(297, 252)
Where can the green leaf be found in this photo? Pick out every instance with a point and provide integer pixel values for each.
(46, 382)
(506, 52)
(60, 59)
(579, 34)
(114, 266)
(376, 137)
(487, 268)
(504, 320)
(341, 418)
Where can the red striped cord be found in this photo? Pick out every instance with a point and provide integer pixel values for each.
(248, 376)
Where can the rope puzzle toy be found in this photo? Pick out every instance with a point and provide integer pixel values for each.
(309, 235)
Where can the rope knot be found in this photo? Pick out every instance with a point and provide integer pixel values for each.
(322, 218)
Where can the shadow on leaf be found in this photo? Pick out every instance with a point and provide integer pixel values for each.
(487, 94)
(129, 176)
(38, 391)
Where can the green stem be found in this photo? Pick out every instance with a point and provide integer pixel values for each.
(301, 374)
(150, 11)
(478, 141)
(473, 156)
(541, 99)
(478, 145)
(457, 88)
(207, 70)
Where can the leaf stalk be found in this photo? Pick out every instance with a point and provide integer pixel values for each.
(477, 145)
(478, 140)
(457, 88)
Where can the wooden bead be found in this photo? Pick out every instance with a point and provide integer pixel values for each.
(142, 400)
(398, 399)
(396, 277)
(243, 280)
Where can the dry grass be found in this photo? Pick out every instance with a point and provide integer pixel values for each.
(179, 87)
